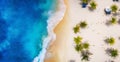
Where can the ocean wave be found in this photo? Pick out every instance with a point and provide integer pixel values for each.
(55, 18)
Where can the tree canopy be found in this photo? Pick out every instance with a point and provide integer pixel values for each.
(76, 29)
(114, 8)
(93, 5)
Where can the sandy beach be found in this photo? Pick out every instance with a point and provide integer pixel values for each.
(62, 49)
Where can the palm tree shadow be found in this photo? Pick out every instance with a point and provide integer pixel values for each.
(116, 14)
(90, 9)
(106, 41)
(80, 2)
(85, 55)
(119, 21)
(119, 38)
(72, 61)
(108, 50)
(108, 23)
(109, 61)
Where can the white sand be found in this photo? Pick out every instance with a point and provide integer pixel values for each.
(95, 34)
(96, 31)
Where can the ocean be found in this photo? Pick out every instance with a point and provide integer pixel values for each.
(23, 26)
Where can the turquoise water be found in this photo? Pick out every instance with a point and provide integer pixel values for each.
(23, 26)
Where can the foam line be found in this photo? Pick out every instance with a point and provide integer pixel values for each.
(54, 19)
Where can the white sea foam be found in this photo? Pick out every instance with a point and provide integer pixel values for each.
(55, 18)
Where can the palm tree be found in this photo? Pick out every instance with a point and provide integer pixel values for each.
(114, 8)
(113, 20)
(112, 52)
(110, 40)
(79, 48)
(83, 24)
(76, 29)
(77, 40)
(86, 45)
(85, 55)
(85, 1)
(93, 5)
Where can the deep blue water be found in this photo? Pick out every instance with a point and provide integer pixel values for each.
(23, 25)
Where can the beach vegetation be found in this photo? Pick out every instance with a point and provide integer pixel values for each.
(110, 40)
(76, 29)
(113, 20)
(114, 8)
(79, 48)
(86, 45)
(77, 40)
(112, 52)
(85, 1)
(93, 5)
(83, 24)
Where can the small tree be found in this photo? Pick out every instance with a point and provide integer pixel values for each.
(114, 8)
(110, 41)
(83, 24)
(93, 5)
(112, 52)
(86, 45)
(76, 29)
(113, 20)
(85, 1)
(79, 48)
(77, 40)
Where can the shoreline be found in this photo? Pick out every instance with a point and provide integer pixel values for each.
(55, 17)
(51, 46)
